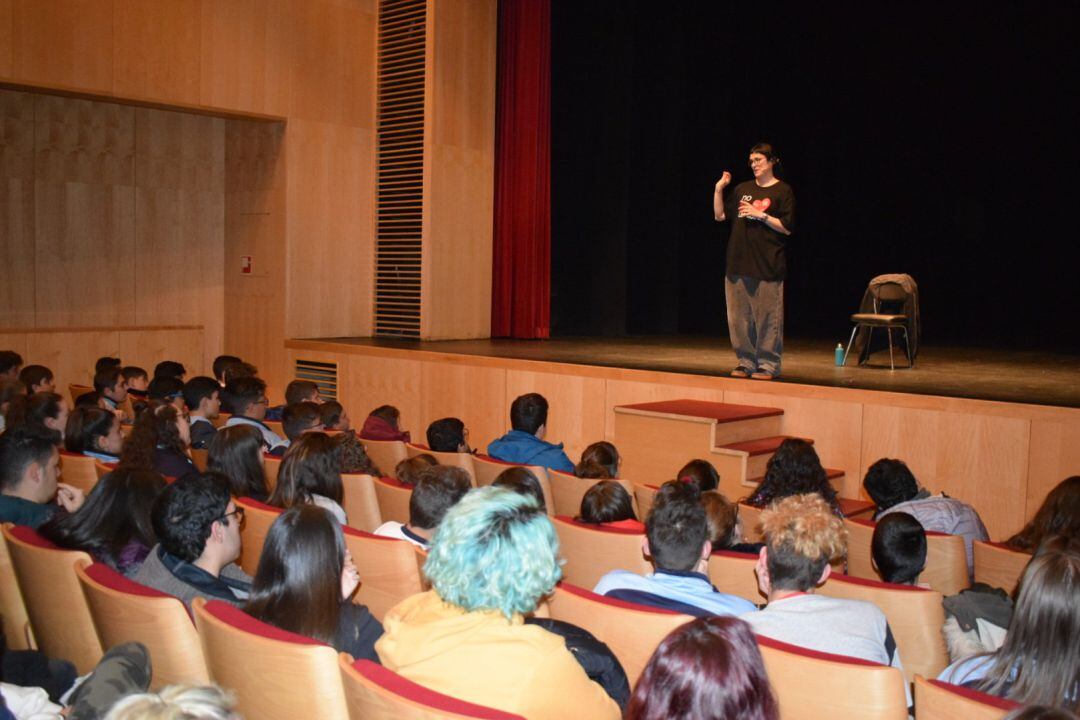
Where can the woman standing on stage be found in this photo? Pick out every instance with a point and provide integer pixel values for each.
(764, 210)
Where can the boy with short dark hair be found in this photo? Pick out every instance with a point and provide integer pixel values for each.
(30, 491)
(37, 378)
(202, 396)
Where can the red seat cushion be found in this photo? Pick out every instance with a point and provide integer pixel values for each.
(598, 528)
(106, 576)
(815, 654)
(240, 620)
(737, 555)
(613, 602)
(30, 536)
(253, 503)
(980, 697)
(394, 483)
(874, 583)
(405, 688)
(356, 532)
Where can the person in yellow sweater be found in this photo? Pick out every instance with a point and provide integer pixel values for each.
(493, 558)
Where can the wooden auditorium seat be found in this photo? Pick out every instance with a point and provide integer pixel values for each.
(733, 573)
(276, 675)
(393, 497)
(632, 631)
(359, 501)
(386, 454)
(258, 517)
(488, 470)
(643, 498)
(59, 616)
(452, 459)
(103, 469)
(200, 456)
(77, 391)
(390, 570)
(946, 560)
(915, 615)
(751, 523)
(220, 420)
(16, 624)
(811, 685)
(78, 470)
(936, 700)
(373, 692)
(271, 468)
(591, 551)
(998, 565)
(124, 611)
(567, 491)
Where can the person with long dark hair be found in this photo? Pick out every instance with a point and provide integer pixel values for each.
(794, 469)
(237, 453)
(43, 413)
(159, 441)
(708, 669)
(114, 524)
(608, 503)
(762, 214)
(1039, 662)
(305, 580)
(94, 432)
(599, 461)
(311, 473)
(1059, 514)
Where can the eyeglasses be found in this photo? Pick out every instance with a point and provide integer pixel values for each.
(238, 512)
(261, 401)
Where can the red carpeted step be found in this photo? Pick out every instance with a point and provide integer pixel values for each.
(830, 473)
(720, 412)
(762, 446)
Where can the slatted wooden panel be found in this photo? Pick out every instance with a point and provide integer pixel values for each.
(400, 166)
(323, 374)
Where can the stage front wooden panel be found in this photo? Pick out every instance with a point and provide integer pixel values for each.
(1001, 457)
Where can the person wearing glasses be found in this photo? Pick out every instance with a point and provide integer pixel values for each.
(246, 396)
(762, 214)
(197, 524)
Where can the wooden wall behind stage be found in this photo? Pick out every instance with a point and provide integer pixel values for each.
(1001, 457)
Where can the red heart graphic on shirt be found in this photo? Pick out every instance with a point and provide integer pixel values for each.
(763, 204)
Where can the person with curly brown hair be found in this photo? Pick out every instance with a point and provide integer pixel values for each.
(159, 442)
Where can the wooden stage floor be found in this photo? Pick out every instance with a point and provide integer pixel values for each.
(977, 373)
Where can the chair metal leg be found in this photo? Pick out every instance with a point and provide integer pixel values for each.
(907, 344)
(850, 340)
(892, 364)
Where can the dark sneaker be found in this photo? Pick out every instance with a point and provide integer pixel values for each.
(762, 375)
(740, 372)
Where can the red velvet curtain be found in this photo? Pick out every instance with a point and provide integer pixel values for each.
(521, 277)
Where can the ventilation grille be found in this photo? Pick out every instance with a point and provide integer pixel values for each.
(323, 374)
(400, 167)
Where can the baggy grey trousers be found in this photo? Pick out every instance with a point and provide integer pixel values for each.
(755, 316)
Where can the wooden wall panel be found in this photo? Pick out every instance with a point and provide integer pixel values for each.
(151, 346)
(329, 230)
(576, 409)
(71, 354)
(982, 459)
(476, 395)
(63, 43)
(16, 341)
(1055, 455)
(385, 382)
(17, 208)
(157, 49)
(246, 48)
(7, 25)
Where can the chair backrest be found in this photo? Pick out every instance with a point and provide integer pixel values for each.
(271, 467)
(946, 559)
(390, 570)
(276, 427)
(77, 391)
(936, 700)
(998, 565)
(220, 420)
(733, 573)
(592, 551)
(393, 497)
(889, 292)
(102, 469)
(915, 615)
(125, 611)
(276, 675)
(16, 624)
(376, 693)
(78, 470)
(200, 456)
(567, 491)
(751, 523)
(631, 631)
(386, 454)
(643, 496)
(453, 459)
(811, 685)
(488, 469)
(258, 517)
(359, 501)
(54, 601)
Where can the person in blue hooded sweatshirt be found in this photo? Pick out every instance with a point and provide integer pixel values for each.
(525, 443)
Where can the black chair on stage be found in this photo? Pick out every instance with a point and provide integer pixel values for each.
(890, 302)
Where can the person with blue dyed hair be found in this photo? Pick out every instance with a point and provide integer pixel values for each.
(493, 558)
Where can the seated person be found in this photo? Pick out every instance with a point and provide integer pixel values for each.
(525, 443)
(37, 379)
(202, 397)
(246, 398)
(29, 491)
(10, 390)
(138, 383)
(708, 668)
(167, 390)
(238, 370)
(95, 433)
(106, 363)
(114, 524)
(10, 365)
(354, 457)
(112, 392)
(794, 469)
(1038, 663)
(599, 461)
(334, 416)
(522, 480)
(802, 535)
(89, 399)
(607, 503)
(725, 525)
(473, 616)
(408, 470)
(159, 441)
(438, 489)
(384, 423)
(701, 474)
(169, 369)
(677, 541)
(43, 413)
(190, 702)
(297, 391)
(305, 582)
(311, 474)
(448, 435)
(220, 363)
(297, 419)
(898, 549)
(237, 453)
(197, 525)
(1059, 514)
(893, 488)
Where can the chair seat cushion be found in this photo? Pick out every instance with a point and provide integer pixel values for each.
(877, 319)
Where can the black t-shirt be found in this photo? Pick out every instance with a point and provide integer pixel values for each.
(755, 250)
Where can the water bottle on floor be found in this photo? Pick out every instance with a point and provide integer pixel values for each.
(838, 354)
